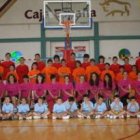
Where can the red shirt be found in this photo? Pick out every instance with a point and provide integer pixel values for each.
(6, 65)
(71, 65)
(101, 66)
(138, 64)
(115, 68)
(57, 65)
(128, 68)
(85, 64)
(41, 65)
(21, 71)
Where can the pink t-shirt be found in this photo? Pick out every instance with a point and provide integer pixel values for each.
(66, 87)
(95, 89)
(107, 91)
(25, 89)
(12, 89)
(54, 88)
(82, 89)
(2, 89)
(124, 84)
(39, 88)
(136, 86)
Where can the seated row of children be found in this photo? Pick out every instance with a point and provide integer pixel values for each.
(69, 109)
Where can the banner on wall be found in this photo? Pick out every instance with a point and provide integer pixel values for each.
(31, 12)
(78, 50)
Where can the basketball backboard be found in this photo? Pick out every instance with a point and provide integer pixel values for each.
(78, 11)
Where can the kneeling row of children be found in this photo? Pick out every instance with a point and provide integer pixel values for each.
(69, 109)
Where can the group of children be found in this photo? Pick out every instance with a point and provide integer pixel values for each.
(69, 89)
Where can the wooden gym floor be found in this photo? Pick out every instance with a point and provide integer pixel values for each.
(73, 129)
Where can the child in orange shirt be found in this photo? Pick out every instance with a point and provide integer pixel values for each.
(133, 74)
(33, 72)
(49, 70)
(63, 71)
(78, 71)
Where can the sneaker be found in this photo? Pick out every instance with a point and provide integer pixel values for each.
(36, 117)
(45, 117)
(128, 116)
(53, 117)
(29, 118)
(20, 118)
(111, 117)
(66, 117)
(80, 116)
(88, 117)
(114, 117)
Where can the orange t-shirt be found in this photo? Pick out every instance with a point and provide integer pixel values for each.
(91, 69)
(63, 71)
(119, 77)
(77, 72)
(32, 74)
(132, 75)
(14, 73)
(107, 71)
(48, 71)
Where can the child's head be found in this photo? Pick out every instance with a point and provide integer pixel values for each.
(121, 68)
(12, 67)
(11, 79)
(53, 77)
(101, 59)
(132, 99)
(86, 57)
(116, 98)
(22, 60)
(63, 62)
(59, 100)
(37, 56)
(115, 59)
(25, 78)
(72, 56)
(56, 58)
(7, 56)
(100, 99)
(40, 100)
(107, 66)
(78, 63)
(92, 62)
(67, 79)
(23, 101)
(82, 78)
(71, 100)
(40, 78)
(86, 98)
(34, 66)
(49, 62)
(125, 75)
(7, 99)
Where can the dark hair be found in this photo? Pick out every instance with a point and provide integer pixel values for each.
(37, 54)
(49, 60)
(107, 64)
(13, 66)
(66, 76)
(8, 78)
(63, 60)
(121, 66)
(132, 98)
(114, 57)
(71, 99)
(92, 60)
(56, 56)
(92, 82)
(100, 96)
(53, 76)
(79, 62)
(34, 63)
(8, 54)
(101, 57)
(86, 96)
(59, 98)
(73, 53)
(109, 82)
(116, 96)
(86, 55)
(41, 75)
(25, 76)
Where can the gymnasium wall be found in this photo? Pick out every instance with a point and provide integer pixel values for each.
(108, 35)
